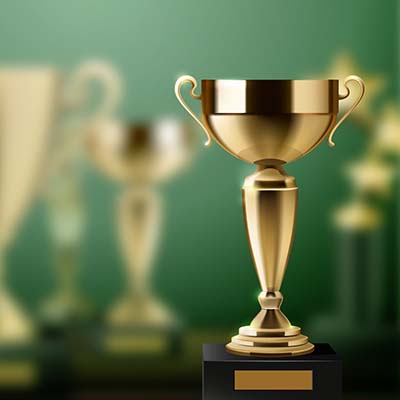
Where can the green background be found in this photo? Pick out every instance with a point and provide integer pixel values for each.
(203, 269)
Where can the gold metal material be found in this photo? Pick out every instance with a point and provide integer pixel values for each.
(140, 156)
(273, 380)
(351, 78)
(270, 123)
(31, 99)
(28, 103)
(189, 79)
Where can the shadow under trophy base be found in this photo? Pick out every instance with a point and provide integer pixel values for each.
(141, 156)
(269, 123)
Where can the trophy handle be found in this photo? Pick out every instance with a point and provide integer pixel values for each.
(77, 91)
(350, 78)
(178, 84)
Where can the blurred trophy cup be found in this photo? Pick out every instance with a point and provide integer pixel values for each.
(27, 107)
(62, 191)
(270, 123)
(32, 101)
(141, 156)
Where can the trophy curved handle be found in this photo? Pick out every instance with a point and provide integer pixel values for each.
(77, 92)
(178, 84)
(360, 82)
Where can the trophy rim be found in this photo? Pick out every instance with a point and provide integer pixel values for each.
(307, 96)
(272, 80)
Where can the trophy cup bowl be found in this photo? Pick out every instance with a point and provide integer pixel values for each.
(140, 152)
(269, 123)
(140, 155)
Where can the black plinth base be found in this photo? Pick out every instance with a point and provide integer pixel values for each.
(316, 376)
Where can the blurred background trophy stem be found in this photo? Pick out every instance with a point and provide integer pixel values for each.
(139, 223)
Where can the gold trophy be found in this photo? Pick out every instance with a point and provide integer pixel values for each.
(140, 156)
(270, 123)
(62, 188)
(27, 108)
(26, 115)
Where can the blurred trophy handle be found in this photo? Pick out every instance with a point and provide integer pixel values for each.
(139, 217)
(76, 95)
(77, 91)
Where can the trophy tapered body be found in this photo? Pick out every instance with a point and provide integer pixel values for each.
(269, 123)
(270, 205)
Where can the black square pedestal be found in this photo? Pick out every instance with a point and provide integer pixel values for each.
(316, 376)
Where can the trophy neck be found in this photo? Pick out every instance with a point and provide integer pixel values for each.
(270, 204)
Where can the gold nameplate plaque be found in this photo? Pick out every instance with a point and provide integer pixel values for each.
(136, 344)
(273, 380)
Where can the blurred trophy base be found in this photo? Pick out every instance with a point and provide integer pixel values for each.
(143, 327)
(316, 376)
(19, 368)
(28, 370)
(145, 375)
(140, 341)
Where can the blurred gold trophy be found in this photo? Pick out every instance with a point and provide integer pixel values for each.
(140, 156)
(65, 206)
(269, 123)
(26, 114)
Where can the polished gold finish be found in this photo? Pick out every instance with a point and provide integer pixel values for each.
(273, 380)
(189, 79)
(270, 123)
(360, 82)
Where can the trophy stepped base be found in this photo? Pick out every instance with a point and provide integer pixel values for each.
(227, 376)
(273, 342)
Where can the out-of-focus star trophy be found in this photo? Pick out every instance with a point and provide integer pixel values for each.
(140, 156)
(269, 123)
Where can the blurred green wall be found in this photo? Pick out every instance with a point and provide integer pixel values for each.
(204, 268)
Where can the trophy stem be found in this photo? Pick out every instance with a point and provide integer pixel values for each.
(139, 212)
(270, 205)
(138, 220)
